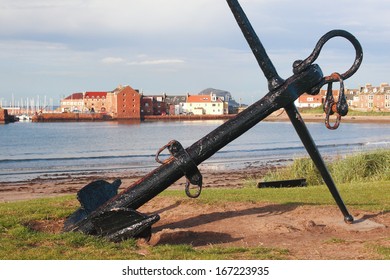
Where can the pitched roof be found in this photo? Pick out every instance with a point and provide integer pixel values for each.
(175, 99)
(199, 98)
(77, 95)
(96, 94)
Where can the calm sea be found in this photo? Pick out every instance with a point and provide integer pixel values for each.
(31, 150)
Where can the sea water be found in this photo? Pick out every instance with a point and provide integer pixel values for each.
(32, 150)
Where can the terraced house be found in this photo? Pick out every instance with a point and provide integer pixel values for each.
(373, 98)
(367, 98)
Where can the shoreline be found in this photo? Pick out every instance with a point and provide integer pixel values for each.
(276, 116)
(321, 118)
(70, 184)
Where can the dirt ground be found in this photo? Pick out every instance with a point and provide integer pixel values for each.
(307, 231)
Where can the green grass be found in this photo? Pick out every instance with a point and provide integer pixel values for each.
(370, 196)
(369, 166)
(383, 251)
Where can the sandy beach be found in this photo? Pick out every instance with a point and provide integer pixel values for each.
(71, 183)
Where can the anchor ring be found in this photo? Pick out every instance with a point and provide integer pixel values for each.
(188, 191)
(329, 110)
(300, 65)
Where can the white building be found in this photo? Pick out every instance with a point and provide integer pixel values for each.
(205, 105)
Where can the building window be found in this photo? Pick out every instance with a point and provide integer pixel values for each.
(370, 97)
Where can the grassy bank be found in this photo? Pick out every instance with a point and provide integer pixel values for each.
(356, 168)
(22, 237)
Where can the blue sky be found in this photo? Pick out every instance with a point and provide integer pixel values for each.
(54, 48)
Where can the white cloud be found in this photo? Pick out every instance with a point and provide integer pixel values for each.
(112, 60)
(157, 62)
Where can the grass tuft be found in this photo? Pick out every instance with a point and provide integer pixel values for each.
(369, 166)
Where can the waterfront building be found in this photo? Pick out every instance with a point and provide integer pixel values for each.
(154, 105)
(312, 101)
(122, 103)
(72, 103)
(226, 96)
(367, 98)
(205, 105)
(175, 104)
(373, 98)
(127, 102)
(95, 101)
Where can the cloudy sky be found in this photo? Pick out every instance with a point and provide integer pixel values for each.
(54, 48)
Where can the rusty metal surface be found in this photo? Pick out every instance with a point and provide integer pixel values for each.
(189, 168)
(109, 219)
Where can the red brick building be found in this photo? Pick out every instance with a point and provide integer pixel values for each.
(153, 105)
(128, 103)
(147, 105)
